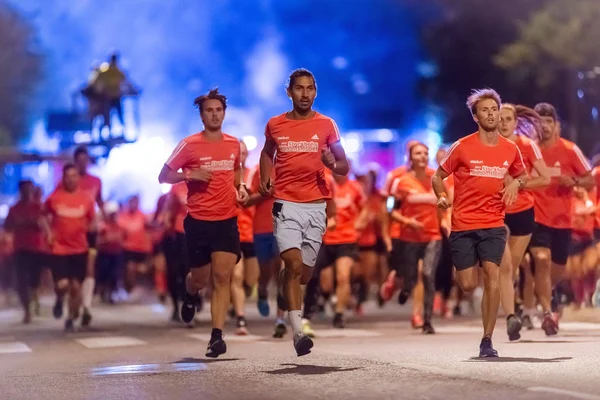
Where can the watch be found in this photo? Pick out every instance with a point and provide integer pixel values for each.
(521, 183)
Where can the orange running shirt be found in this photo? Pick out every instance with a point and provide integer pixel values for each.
(246, 215)
(299, 171)
(263, 215)
(583, 224)
(553, 204)
(349, 200)
(89, 184)
(71, 213)
(390, 178)
(418, 201)
(137, 237)
(368, 236)
(178, 208)
(479, 172)
(531, 153)
(27, 237)
(215, 200)
(596, 174)
(110, 237)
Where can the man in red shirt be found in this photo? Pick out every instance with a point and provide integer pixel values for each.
(25, 221)
(71, 212)
(552, 235)
(92, 187)
(210, 164)
(306, 142)
(483, 165)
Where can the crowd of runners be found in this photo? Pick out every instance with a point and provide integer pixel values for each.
(511, 212)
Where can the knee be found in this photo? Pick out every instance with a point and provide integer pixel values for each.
(541, 257)
(221, 278)
(294, 269)
(467, 286)
(62, 285)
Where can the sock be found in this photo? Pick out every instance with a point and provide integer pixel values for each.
(280, 321)
(87, 290)
(216, 334)
(295, 317)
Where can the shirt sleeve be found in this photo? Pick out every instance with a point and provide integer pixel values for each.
(581, 165)
(180, 156)
(397, 189)
(534, 152)
(517, 167)
(450, 163)
(333, 133)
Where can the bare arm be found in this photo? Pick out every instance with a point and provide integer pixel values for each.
(586, 181)
(437, 182)
(543, 178)
(255, 199)
(266, 160)
(167, 175)
(341, 166)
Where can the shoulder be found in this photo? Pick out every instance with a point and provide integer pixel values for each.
(324, 119)
(192, 139)
(231, 140)
(273, 121)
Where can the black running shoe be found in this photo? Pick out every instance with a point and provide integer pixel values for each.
(216, 347)
(86, 318)
(486, 349)
(280, 331)
(57, 310)
(188, 308)
(69, 325)
(513, 327)
(302, 344)
(428, 329)
(338, 321)
(282, 303)
(403, 296)
(526, 322)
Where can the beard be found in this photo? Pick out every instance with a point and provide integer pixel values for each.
(489, 127)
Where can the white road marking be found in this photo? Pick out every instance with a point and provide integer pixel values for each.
(345, 333)
(14, 347)
(110, 341)
(570, 393)
(458, 329)
(229, 338)
(579, 326)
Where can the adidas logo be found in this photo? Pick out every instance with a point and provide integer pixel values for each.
(505, 163)
(315, 137)
(557, 164)
(232, 156)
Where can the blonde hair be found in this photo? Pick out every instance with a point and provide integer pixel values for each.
(480, 95)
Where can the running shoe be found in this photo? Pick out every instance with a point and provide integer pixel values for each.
(307, 328)
(188, 308)
(549, 326)
(513, 327)
(263, 306)
(403, 297)
(280, 330)
(241, 327)
(338, 321)
(416, 321)
(57, 310)
(526, 322)
(216, 347)
(486, 349)
(302, 344)
(428, 329)
(388, 288)
(86, 318)
(69, 325)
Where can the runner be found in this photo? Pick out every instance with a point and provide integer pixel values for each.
(24, 221)
(482, 164)
(305, 142)
(246, 270)
(110, 253)
(420, 236)
(210, 164)
(92, 187)
(521, 125)
(552, 235)
(72, 213)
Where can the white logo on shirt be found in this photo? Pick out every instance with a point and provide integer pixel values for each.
(557, 164)
(476, 162)
(315, 137)
(205, 158)
(223, 165)
(505, 163)
(488, 172)
(299, 147)
(555, 171)
(232, 156)
(70, 212)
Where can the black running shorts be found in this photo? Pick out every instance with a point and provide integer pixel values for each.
(555, 239)
(329, 253)
(206, 237)
(479, 245)
(521, 223)
(72, 267)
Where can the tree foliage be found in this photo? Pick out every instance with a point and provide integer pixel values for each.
(20, 73)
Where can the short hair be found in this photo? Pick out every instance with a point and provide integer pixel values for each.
(67, 167)
(212, 94)
(480, 95)
(297, 73)
(24, 182)
(546, 110)
(80, 150)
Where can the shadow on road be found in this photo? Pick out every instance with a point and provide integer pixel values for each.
(519, 359)
(188, 360)
(309, 370)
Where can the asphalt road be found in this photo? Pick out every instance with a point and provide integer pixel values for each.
(133, 352)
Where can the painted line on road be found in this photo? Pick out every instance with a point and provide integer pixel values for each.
(345, 333)
(110, 341)
(570, 393)
(14, 347)
(231, 338)
(577, 326)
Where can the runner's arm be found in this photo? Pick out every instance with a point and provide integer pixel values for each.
(167, 175)
(341, 166)
(266, 158)
(543, 178)
(437, 182)
(585, 181)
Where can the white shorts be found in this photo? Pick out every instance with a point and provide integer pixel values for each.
(300, 226)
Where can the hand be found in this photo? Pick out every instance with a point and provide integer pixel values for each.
(413, 223)
(566, 181)
(508, 179)
(328, 158)
(510, 192)
(199, 175)
(331, 223)
(360, 224)
(242, 195)
(388, 243)
(443, 203)
(266, 188)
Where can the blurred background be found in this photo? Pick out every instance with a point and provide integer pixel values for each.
(387, 71)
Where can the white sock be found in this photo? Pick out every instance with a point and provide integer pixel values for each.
(87, 290)
(295, 317)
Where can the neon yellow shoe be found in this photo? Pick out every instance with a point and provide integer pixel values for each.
(307, 329)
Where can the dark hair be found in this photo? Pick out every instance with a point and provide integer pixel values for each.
(298, 73)
(529, 122)
(212, 94)
(546, 110)
(68, 166)
(24, 182)
(80, 150)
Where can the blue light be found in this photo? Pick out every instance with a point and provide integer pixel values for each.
(580, 94)
(595, 113)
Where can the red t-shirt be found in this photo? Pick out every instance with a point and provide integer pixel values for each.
(349, 200)
(418, 201)
(90, 185)
(110, 237)
(215, 200)
(368, 236)
(299, 171)
(6, 245)
(179, 210)
(391, 177)
(137, 237)
(554, 202)
(263, 214)
(531, 153)
(246, 215)
(72, 213)
(479, 172)
(29, 237)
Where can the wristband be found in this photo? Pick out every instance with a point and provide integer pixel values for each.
(443, 194)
